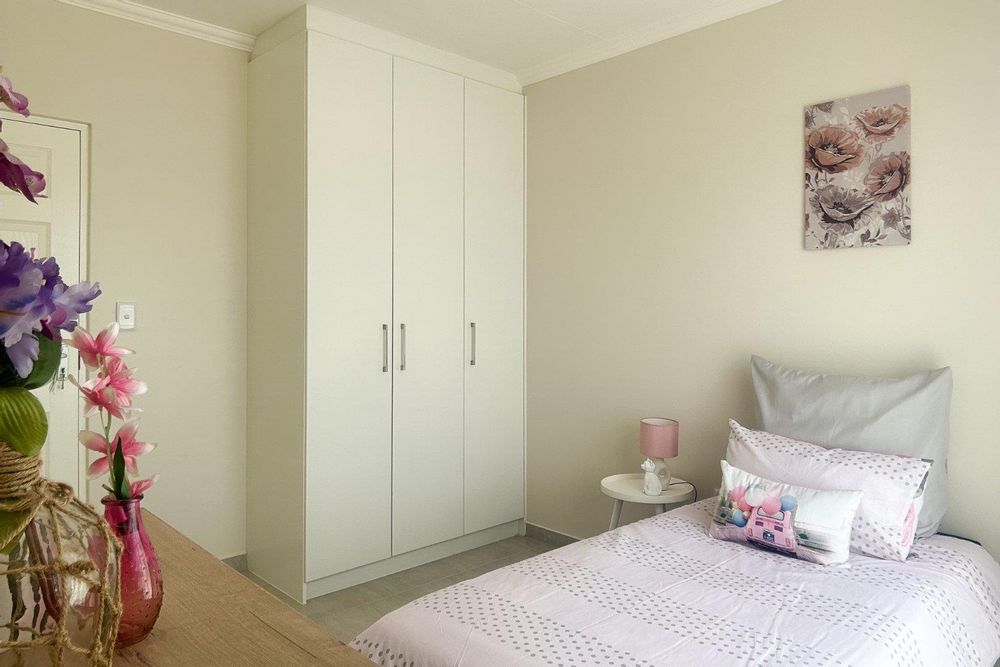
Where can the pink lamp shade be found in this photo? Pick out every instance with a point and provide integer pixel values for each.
(658, 437)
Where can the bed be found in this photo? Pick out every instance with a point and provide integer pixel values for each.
(662, 592)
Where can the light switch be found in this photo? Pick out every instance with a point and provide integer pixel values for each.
(125, 315)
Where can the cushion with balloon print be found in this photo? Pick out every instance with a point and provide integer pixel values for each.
(892, 486)
(810, 524)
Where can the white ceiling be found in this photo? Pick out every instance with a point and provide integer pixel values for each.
(533, 39)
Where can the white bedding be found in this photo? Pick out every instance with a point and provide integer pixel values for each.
(662, 592)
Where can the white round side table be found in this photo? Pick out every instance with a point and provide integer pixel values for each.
(627, 488)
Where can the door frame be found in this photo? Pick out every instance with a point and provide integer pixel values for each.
(83, 129)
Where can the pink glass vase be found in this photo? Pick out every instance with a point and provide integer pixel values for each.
(141, 581)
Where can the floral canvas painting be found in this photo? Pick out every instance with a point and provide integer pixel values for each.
(857, 163)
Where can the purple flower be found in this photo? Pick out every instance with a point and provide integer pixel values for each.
(20, 282)
(13, 99)
(35, 300)
(18, 176)
(70, 303)
(23, 354)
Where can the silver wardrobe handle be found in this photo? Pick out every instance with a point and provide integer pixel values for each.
(385, 348)
(472, 327)
(402, 347)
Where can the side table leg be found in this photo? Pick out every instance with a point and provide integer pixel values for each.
(616, 514)
(659, 509)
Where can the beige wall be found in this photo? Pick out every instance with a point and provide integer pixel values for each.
(167, 229)
(665, 242)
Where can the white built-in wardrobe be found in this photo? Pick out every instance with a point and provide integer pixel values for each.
(386, 330)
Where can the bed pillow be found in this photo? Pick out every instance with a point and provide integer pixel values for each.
(811, 524)
(908, 416)
(893, 486)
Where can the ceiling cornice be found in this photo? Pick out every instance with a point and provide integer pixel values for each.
(708, 14)
(131, 11)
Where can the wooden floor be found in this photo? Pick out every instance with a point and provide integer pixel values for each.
(346, 613)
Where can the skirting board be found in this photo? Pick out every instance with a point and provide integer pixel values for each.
(382, 568)
(238, 563)
(548, 536)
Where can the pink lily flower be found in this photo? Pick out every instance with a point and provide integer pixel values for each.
(13, 99)
(93, 350)
(119, 377)
(97, 396)
(131, 448)
(140, 486)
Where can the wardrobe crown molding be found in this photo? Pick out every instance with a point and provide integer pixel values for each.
(157, 18)
(314, 19)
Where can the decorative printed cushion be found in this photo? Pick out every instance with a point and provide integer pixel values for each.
(907, 416)
(810, 524)
(892, 485)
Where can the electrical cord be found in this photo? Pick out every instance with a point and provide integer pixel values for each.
(693, 488)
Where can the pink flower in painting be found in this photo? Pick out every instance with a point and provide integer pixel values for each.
(140, 486)
(13, 99)
(879, 124)
(119, 379)
(131, 448)
(833, 148)
(888, 176)
(93, 350)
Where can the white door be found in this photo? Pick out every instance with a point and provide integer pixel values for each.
(494, 306)
(349, 241)
(53, 227)
(428, 299)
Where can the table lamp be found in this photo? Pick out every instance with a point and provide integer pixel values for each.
(657, 441)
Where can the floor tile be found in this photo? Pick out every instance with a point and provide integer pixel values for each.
(355, 596)
(347, 623)
(472, 558)
(347, 612)
(401, 582)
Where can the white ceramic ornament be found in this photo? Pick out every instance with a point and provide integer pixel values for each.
(652, 483)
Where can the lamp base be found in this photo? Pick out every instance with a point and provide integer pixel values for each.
(657, 476)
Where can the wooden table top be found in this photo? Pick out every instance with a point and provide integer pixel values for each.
(212, 615)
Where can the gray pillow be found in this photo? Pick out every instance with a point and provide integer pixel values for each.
(907, 416)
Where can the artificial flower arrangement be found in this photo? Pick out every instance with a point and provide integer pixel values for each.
(60, 558)
(79, 583)
(108, 395)
(36, 306)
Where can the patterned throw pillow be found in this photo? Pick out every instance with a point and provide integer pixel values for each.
(892, 486)
(810, 524)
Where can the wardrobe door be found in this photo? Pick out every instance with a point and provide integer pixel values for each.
(349, 250)
(427, 490)
(494, 303)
